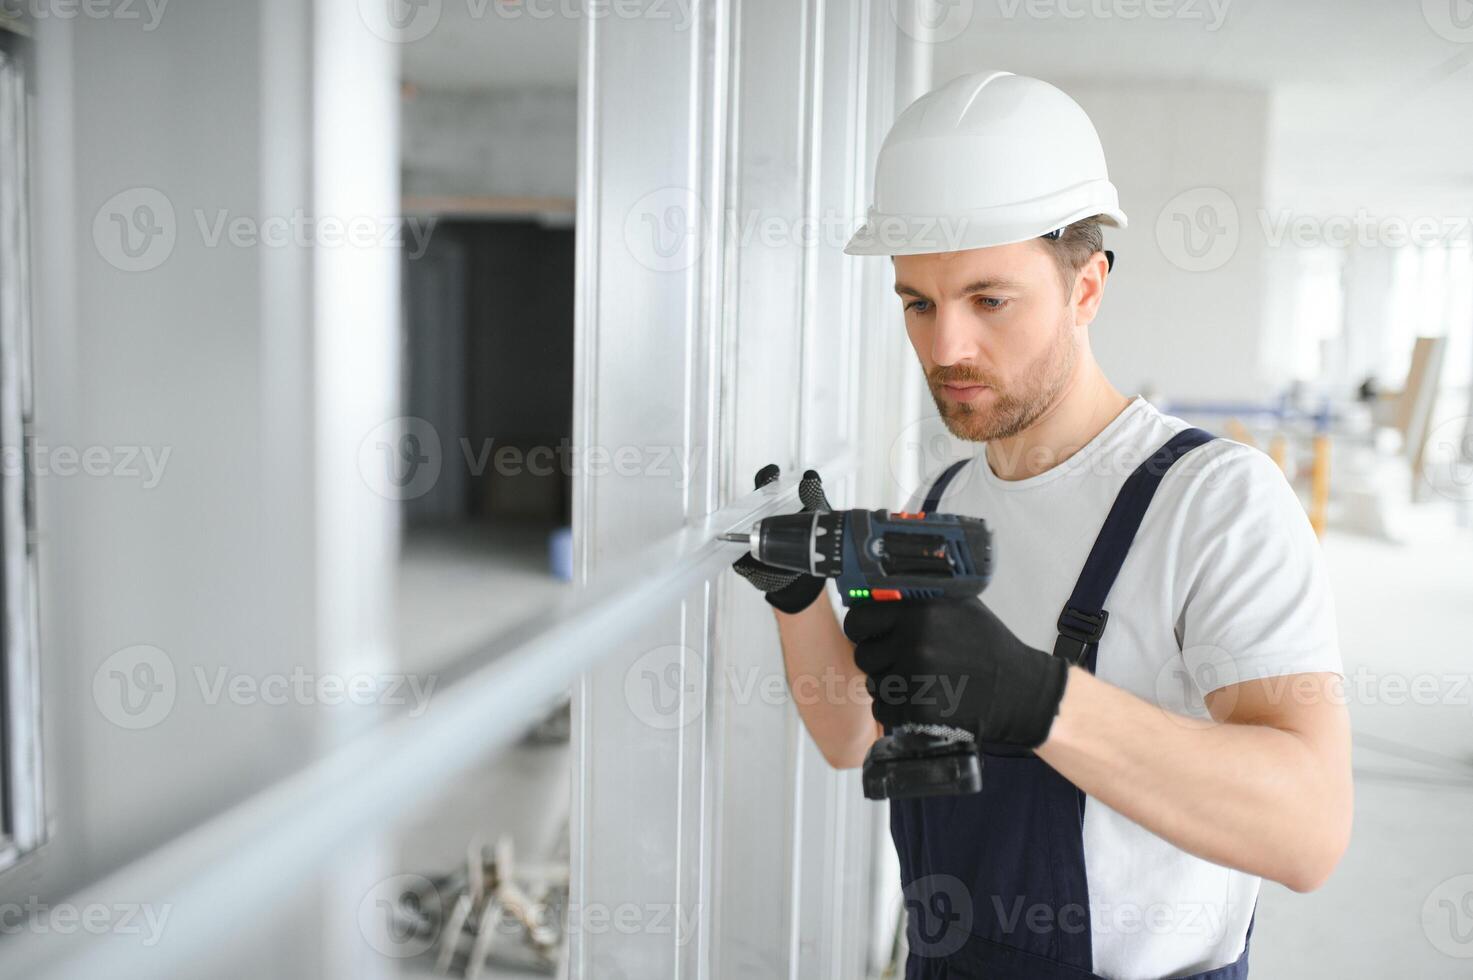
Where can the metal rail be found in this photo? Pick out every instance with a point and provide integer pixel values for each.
(222, 873)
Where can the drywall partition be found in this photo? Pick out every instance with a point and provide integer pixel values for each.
(210, 358)
(723, 162)
(157, 341)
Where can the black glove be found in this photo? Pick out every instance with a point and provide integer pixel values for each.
(954, 663)
(790, 592)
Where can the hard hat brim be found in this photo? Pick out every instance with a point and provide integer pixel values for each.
(893, 234)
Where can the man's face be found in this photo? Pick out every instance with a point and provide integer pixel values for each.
(994, 331)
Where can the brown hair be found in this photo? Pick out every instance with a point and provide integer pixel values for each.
(1075, 244)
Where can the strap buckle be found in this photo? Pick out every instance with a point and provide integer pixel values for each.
(1078, 631)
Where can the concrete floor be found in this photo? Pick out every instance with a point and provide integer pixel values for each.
(458, 586)
(1406, 617)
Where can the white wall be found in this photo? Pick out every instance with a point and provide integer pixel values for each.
(514, 142)
(1189, 325)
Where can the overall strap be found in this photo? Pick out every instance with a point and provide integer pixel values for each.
(1082, 622)
(933, 499)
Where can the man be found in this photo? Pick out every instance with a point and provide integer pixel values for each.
(1158, 702)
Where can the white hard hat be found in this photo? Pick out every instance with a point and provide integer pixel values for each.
(986, 159)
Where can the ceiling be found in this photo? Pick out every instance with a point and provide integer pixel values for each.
(1372, 107)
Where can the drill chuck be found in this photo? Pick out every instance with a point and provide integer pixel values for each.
(806, 542)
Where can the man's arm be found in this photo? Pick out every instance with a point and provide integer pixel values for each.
(827, 687)
(1265, 787)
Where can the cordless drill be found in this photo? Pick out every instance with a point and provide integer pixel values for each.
(879, 556)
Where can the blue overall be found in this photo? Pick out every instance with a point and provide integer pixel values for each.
(994, 882)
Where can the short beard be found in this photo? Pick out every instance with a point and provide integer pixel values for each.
(1014, 409)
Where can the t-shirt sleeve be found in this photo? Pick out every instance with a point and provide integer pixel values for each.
(1257, 594)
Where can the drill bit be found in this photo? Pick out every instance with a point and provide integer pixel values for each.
(738, 537)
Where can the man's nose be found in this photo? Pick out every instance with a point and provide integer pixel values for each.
(954, 338)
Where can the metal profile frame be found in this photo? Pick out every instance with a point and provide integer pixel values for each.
(740, 95)
(271, 845)
(746, 88)
(24, 799)
(268, 847)
(678, 366)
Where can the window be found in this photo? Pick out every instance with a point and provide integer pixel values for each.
(1432, 296)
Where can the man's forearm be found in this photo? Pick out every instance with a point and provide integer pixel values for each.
(1268, 798)
(827, 688)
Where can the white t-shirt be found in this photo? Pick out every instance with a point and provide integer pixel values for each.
(1225, 582)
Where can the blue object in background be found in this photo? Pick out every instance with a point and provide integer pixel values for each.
(1285, 409)
(560, 553)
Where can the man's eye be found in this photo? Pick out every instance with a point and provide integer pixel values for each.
(918, 305)
(992, 303)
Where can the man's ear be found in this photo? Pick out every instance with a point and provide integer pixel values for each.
(1089, 288)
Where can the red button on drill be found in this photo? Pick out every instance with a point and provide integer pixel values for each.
(884, 595)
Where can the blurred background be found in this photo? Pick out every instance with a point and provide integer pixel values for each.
(375, 373)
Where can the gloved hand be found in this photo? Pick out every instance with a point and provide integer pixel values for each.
(954, 663)
(791, 592)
